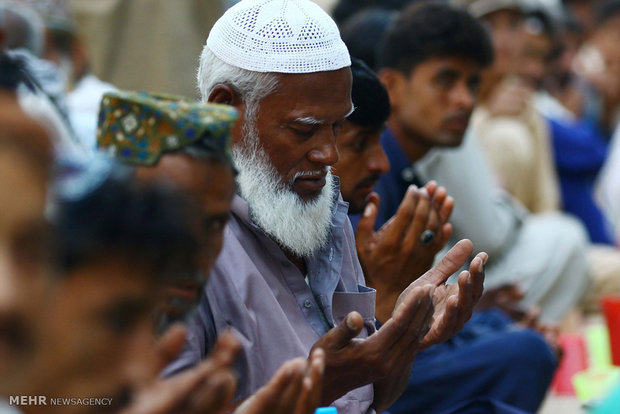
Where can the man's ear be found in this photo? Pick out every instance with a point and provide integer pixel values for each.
(395, 83)
(226, 95)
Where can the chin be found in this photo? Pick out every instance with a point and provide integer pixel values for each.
(451, 140)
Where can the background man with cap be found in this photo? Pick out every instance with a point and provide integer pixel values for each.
(288, 272)
(394, 256)
(513, 135)
(491, 358)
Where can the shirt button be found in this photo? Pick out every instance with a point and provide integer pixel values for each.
(408, 175)
(308, 304)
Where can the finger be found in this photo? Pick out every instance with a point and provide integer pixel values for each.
(476, 270)
(310, 396)
(423, 316)
(530, 317)
(418, 319)
(289, 395)
(444, 236)
(339, 336)
(214, 394)
(226, 349)
(439, 197)
(266, 399)
(446, 209)
(419, 222)
(431, 188)
(436, 220)
(170, 344)
(454, 259)
(404, 215)
(465, 297)
(167, 395)
(515, 292)
(366, 224)
(410, 320)
(449, 322)
(317, 371)
(433, 224)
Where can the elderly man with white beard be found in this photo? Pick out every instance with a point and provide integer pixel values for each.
(288, 278)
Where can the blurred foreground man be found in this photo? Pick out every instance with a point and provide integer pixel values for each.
(82, 307)
(288, 272)
(25, 163)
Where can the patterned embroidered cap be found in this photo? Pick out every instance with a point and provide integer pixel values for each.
(138, 127)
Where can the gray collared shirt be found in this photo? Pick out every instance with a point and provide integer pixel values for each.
(255, 290)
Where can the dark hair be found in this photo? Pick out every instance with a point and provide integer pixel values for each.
(607, 9)
(10, 72)
(369, 96)
(13, 72)
(208, 150)
(344, 9)
(427, 30)
(363, 32)
(148, 224)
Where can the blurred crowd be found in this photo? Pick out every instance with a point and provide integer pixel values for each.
(361, 205)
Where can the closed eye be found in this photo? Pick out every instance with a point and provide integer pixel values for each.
(305, 131)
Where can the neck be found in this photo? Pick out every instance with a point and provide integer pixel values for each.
(490, 80)
(412, 144)
(299, 262)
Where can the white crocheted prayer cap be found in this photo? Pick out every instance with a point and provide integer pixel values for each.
(285, 36)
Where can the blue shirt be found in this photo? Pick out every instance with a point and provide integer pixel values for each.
(579, 152)
(393, 185)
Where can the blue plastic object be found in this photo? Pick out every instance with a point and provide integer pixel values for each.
(326, 410)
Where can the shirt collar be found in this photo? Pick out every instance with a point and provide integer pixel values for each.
(401, 168)
(395, 153)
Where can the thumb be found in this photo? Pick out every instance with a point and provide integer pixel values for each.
(456, 257)
(366, 225)
(342, 334)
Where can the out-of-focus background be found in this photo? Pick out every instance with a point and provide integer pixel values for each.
(149, 44)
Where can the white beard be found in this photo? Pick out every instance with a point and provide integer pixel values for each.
(300, 227)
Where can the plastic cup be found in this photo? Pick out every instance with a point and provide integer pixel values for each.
(611, 309)
(326, 410)
(597, 338)
(595, 384)
(573, 361)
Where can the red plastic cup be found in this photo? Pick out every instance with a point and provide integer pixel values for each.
(611, 309)
(574, 360)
